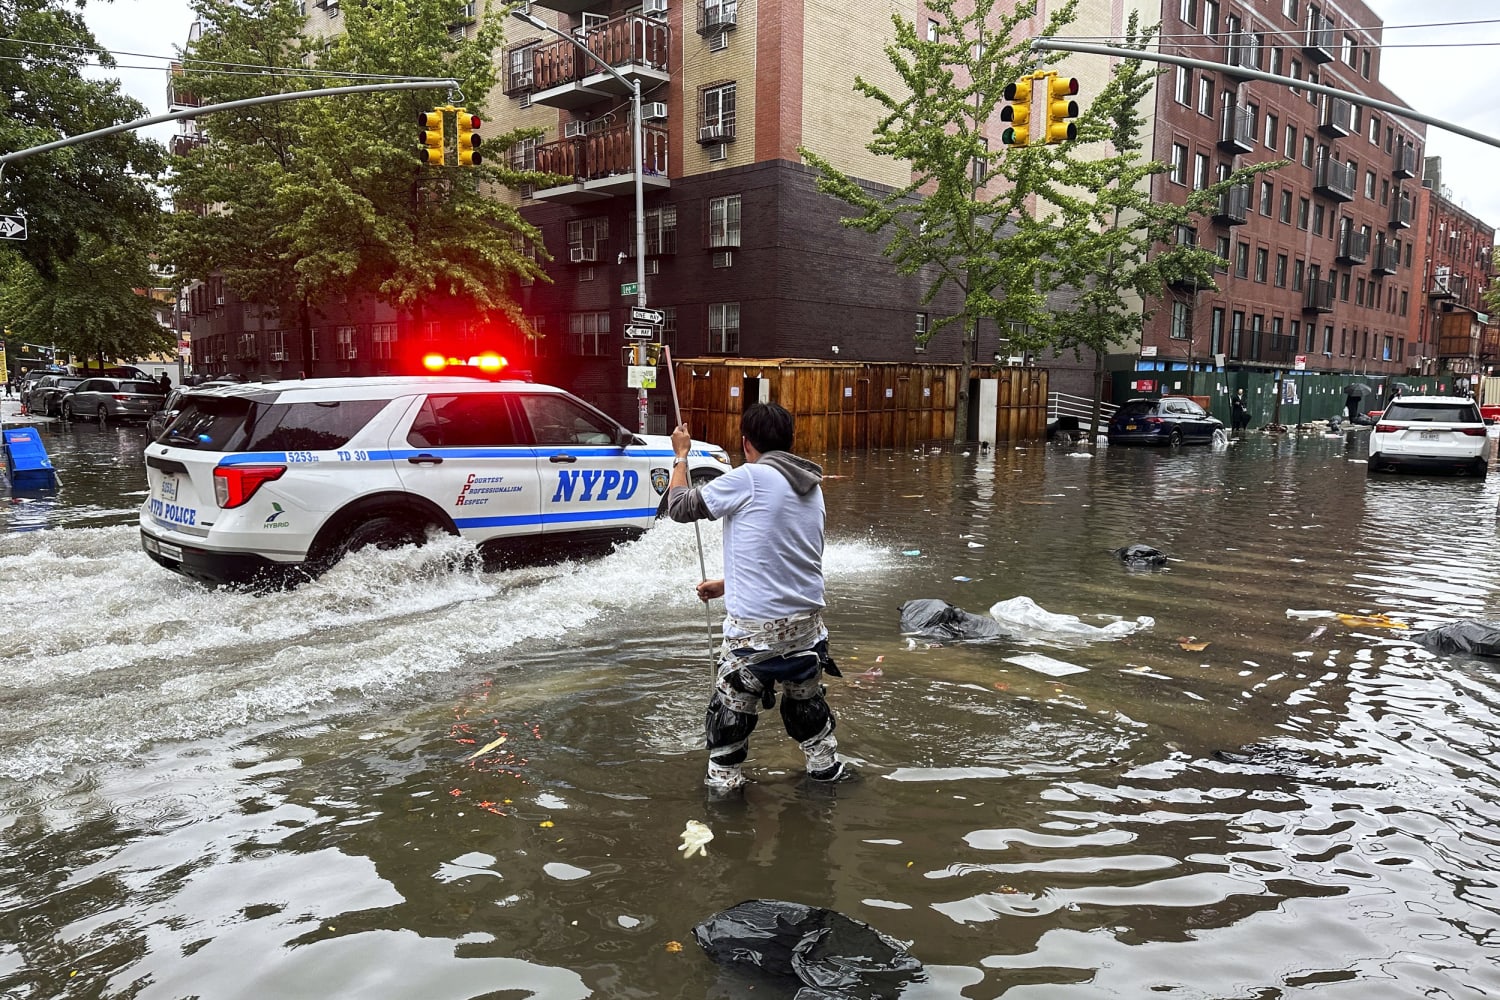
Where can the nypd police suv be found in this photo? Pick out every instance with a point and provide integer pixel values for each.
(268, 482)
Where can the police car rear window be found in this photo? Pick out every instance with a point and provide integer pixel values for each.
(236, 424)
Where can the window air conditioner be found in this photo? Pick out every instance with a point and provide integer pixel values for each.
(654, 111)
(278, 355)
(572, 130)
(219, 301)
(656, 8)
(653, 266)
(723, 258)
(351, 353)
(582, 255)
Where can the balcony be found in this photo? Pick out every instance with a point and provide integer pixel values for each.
(1337, 118)
(1444, 284)
(1234, 206)
(184, 143)
(1241, 52)
(602, 165)
(565, 77)
(716, 17)
(1334, 179)
(1401, 212)
(1236, 130)
(1406, 162)
(1387, 259)
(1319, 44)
(178, 97)
(1318, 298)
(1354, 248)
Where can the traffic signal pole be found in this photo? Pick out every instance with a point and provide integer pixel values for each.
(249, 102)
(1399, 110)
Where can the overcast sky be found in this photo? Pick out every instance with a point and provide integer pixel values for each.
(1446, 71)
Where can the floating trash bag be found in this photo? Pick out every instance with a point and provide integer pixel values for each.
(940, 620)
(1473, 637)
(1141, 555)
(1025, 618)
(830, 954)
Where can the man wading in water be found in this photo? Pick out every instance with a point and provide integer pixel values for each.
(772, 508)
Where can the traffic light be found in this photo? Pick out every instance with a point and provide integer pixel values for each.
(431, 150)
(468, 139)
(1060, 109)
(1018, 113)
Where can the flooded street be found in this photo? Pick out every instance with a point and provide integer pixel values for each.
(222, 794)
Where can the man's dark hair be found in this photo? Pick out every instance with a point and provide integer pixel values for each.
(767, 426)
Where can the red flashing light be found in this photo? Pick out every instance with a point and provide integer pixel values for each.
(234, 485)
(488, 362)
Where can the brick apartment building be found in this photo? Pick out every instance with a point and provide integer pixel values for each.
(1453, 332)
(1323, 261)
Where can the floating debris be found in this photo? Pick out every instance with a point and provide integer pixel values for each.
(695, 838)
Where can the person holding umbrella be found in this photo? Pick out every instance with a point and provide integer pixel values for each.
(1353, 393)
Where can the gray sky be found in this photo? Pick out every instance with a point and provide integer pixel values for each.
(1462, 57)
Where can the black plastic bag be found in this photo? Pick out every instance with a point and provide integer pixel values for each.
(940, 620)
(1473, 637)
(833, 954)
(1141, 555)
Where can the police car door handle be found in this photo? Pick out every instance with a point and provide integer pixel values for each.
(425, 459)
(563, 458)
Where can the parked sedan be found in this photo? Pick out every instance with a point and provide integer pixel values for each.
(1430, 434)
(1170, 420)
(46, 394)
(106, 399)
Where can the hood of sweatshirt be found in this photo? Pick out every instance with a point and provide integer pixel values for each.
(799, 472)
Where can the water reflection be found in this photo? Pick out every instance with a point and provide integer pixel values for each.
(224, 794)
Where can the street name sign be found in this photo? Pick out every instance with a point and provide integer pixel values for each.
(630, 288)
(12, 227)
(640, 332)
(653, 316)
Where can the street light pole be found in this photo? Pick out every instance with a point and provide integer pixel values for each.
(637, 145)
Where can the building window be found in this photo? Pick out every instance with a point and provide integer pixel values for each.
(1267, 189)
(1359, 293)
(1403, 303)
(724, 221)
(1236, 333)
(589, 333)
(1242, 260)
(920, 333)
(1206, 95)
(1179, 320)
(724, 328)
(1216, 332)
(661, 232)
(717, 104)
(1262, 260)
(1296, 74)
(1307, 150)
(586, 239)
(1184, 85)
(1348, 50)
(1210, 17)
(1177, 171)
(1328, 339)
(1281, 261)
(1273, 130)
(1221, 248)
(1370, 184)
(1303, 207)
(932, 31)
(1200, 171)
(382, 340)
(1289, 10)
(1286, 206)
(1317, 226)
(1257, 325)
(1289, 143)
(1297, 267)
(1189, 12)
(1343, 286)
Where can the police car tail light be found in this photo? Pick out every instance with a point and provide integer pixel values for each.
(234, 485)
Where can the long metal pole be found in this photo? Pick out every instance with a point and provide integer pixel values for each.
(1399, 110)
(637, 149)
(666, 353)
(249, 102)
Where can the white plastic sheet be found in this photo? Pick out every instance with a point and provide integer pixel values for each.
(1024, 618)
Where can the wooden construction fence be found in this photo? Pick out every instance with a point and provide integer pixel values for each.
(854, 406)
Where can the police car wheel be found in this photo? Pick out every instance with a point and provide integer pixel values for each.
(382, 531)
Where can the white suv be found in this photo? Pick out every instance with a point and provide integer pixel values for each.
(1430, 433)
(276, 481)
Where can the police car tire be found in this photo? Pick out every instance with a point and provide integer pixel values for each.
(383, 531)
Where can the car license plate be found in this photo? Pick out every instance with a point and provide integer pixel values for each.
(169, 488)
(1431, 435)
(1130, 427)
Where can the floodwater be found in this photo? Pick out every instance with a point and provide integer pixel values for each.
(304, 794)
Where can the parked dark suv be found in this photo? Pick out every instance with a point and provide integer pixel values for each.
(106, 399)
(46, 393)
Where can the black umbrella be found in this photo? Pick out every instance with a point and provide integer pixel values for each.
(1358, 389)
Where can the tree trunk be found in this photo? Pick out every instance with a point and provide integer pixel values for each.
(961, 402)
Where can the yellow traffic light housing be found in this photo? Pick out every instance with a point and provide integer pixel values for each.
(431, 151)
(1017, 113)
(469, 139)
(1060, 108)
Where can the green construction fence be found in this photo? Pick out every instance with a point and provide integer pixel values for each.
(1306, 397)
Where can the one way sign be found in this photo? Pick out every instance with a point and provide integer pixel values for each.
(12, 227)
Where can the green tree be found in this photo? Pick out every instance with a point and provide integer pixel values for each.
(968, 216)
(78, 277)
(1121, 250)
(295, 203)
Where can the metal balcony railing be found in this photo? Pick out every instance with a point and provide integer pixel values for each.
(1234, 205)
(632, 40)
(604, 154)
(1401, 213)
(1337, 117)
(1236, 130)
(1334, 179)
(1318, 297)
(1406, 161)
(1387, 259)
(1319, 43)
(1354, 248)
(716, 17)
